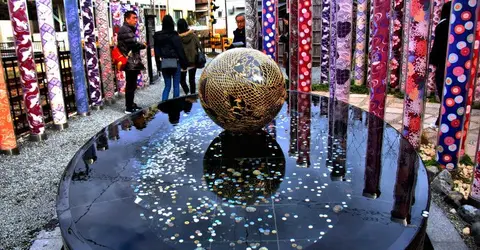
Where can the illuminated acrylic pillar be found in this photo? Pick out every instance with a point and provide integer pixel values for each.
(458, 69)
(50, 52)
(344, 12)
(105, 56)
(417, 73)
(269, 28)
(304, 46)
(91, 58)
(360, 57)
(379, 26)
(8, 140)
(251, 27)
(27, 67)
(76, 54)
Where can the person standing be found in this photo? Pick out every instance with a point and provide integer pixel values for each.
(128, 45)
(168, 47)
(438, 54)
(191, 46)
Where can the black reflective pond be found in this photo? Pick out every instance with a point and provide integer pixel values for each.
(170, 178)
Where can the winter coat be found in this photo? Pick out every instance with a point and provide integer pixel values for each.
(168, 44)
(239, 36)
(126, 42)
(191, 44)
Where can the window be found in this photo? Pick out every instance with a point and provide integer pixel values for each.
(177, 15)
(220, 13)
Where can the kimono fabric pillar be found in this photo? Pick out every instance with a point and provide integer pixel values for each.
(333, 51)
(344, 49)
(396, 48)
(91, 58)
(76, 54)
(269, 28)
(457, 72)
(50, 52)
(305, 45)
(143, 39)
(8, 140)
(417, 72)
(471, 85)
(475, 194)
(379, 56)
(105, 56)
(405, 36)
(251, 28)
(134, 8)
(293, 36)
(117, 22)
(27, 67)
(325, 59)
(360, 43)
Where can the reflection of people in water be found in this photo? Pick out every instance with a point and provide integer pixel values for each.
(240, 168)
(174, 107)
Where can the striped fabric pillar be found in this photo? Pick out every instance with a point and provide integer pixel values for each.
(8, 140)
(76, 54)
(417, 73)
(50, 52)
(27, 67)
(105, 56)
(458, 69)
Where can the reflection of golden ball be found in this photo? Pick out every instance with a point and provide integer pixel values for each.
(242, 90)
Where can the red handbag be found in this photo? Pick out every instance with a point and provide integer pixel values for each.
(119, 59)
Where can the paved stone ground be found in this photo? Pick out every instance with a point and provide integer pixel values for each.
(394, 116)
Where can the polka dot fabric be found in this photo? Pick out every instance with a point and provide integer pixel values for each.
(269, 28)
(304, 45)
(461, 38)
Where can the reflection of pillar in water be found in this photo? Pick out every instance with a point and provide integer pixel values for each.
(338, 142)
(90, 155)
(373, 163)
(102, 140)
(293, 123)
(126, 124)
(303, 129)
(272, 129)
(113, 133)
(357, 114)
(323, 106)
(405, 183)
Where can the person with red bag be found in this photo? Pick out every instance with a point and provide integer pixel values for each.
(130, 47)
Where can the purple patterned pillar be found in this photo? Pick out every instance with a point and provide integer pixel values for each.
(325, 60)
(93, 73)
(417, 73)
(117, 22)
(50, 52)
(457, 74)
(344, 51)
(333, 49)
(105, 56)
(27, 67)
(379, 56)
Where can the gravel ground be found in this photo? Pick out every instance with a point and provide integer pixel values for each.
(29, 181)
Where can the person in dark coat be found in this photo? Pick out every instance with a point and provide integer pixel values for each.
(128, 45)
(438, 54)
(168, 45)
(191, 46)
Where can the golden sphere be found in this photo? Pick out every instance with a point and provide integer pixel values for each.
(242, 90)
